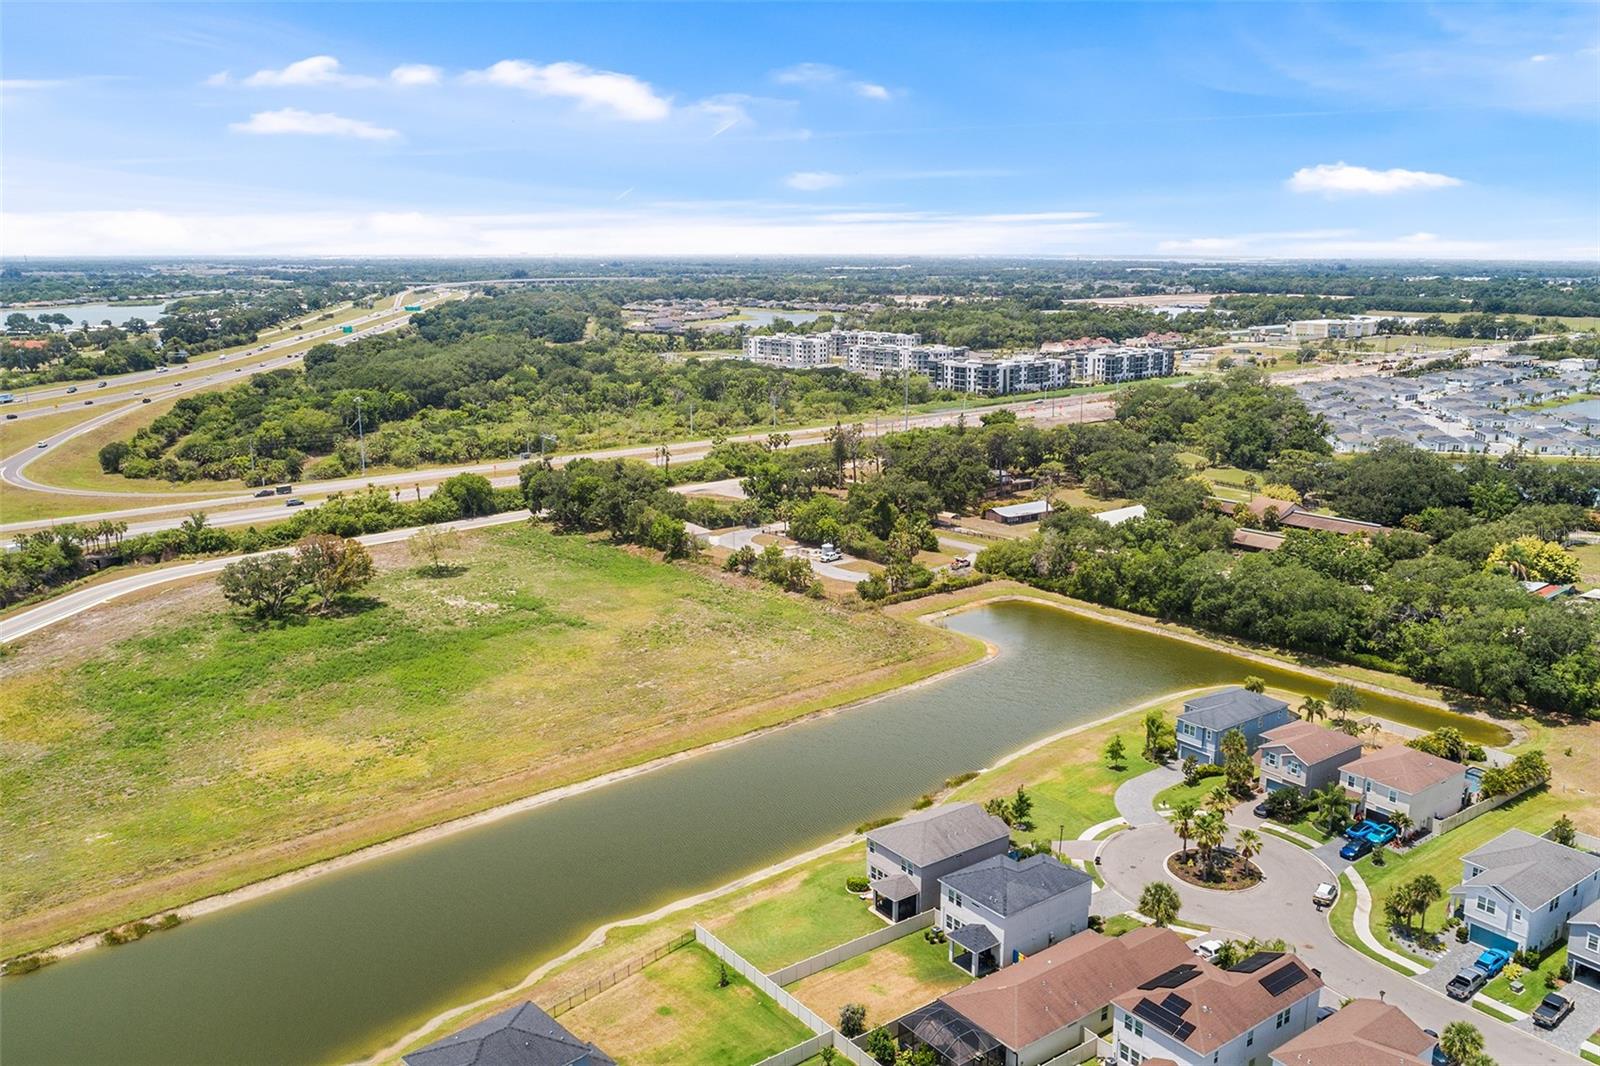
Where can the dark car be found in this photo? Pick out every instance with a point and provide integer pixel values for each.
(284, 490)
(1439, 1058)
(1465, 984)
(265, 492)
(1355, 849)
(145, 400)
(1551, 1011)
(1260, 810)
(294, 501)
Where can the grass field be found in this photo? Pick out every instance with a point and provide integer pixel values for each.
(145, 772)
(673, 1012)
(1588, 563)
(888, 981)
(809, 911)
(1571, 321)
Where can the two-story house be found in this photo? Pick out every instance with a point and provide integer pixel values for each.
(1583, 945)
(1402, 780)
(1000, 909)
(520, 1034)
(1206, 718)
(1200, 1015)
(1367, 1032)
(1304, 756)
(905, 859)
(1519, 890)
(1053, 1004)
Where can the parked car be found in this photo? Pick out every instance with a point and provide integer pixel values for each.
(1260, 810)
(961, 563)
(830, 554)
(1325, 895)
(1356, 831)
(1207, 949)
(1439, 1058)
(1355, 849)
(1381, 832)
(1551, 1011)
(1466, 983)
(294, 501)
(1324, 1013)
(1492, 961)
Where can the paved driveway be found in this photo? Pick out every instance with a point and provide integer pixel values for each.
(1281, 907)
(1136, 798)
(1584, 1019)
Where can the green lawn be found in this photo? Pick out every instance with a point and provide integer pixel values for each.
(153, 770)
(1118, 924)
(1211, 779)
(1533, 987)
(813, 912)
(674, 1012)
(1342, 919)
(1441, 856)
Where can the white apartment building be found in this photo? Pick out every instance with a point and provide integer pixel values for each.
(874, 360)
(793, 351)
(1110, 365)
(990, 375)
(843, 340)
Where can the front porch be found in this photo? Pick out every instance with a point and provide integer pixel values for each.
(979, 952)
(894, 898)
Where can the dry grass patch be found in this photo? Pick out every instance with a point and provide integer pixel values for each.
(889, 981)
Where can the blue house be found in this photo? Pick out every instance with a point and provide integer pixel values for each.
(1206, 718)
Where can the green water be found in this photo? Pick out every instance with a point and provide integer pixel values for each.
(345, 963)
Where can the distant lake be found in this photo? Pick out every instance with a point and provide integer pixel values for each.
(94, 314)
(756, 317)
(1582, 407)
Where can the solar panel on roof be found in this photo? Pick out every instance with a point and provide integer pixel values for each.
(1163, 1019)
(1172, 978)
(1255, 962)
(1280, 981)
(1176, 1003)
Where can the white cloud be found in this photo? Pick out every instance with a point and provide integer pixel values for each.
(813, 180)
(822, 74)
(220, 78)
(25, 84)
(1343, 179)
(872, 91)
(1350, 244)
(291, 120)
(622, 95)
(316, 70)
(409, 74)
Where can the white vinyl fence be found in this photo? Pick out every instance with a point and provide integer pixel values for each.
(850, 949)
(799, 1053)
(1462, 817)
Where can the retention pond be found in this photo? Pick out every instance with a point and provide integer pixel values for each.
(343, 964)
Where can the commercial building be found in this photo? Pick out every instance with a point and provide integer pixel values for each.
(1519, 890)
(1317, 329)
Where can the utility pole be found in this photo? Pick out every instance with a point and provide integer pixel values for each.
(361, 432)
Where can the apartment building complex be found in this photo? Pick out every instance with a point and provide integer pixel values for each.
(792, 351)
(874, 359)
(1318, 329)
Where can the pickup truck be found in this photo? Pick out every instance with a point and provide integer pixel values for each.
(1551, 1011)
(1466, 983)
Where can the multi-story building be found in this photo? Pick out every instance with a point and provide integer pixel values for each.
(1365, 1031)
(1206, 719)
(993, 375)
(1583, 945)
(1317, 329)
(793, 351)
(1002, 910)
(1519, 891)
(874, 359)
(1110, 365)
(842, 340)
(1401, 780)
(906, 859)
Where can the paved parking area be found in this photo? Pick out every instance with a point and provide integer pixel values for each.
(1457, 957)
(1584, 1019)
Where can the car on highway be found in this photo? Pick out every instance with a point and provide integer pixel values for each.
(1325, 895)
(145, 400)
(42, 444)
(71, 389)
(294, 501)
(1466, 983)
(1492, 961)
(284, 490)
(100, 384)
(11, 418)
(161, 370)
(138, 392)
(1551, 1011)
(265, 492)
(88, 403)
(1355, 849)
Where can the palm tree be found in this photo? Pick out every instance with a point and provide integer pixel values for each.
(1248, 846)
(1312, 709)
(1219, 800)
(1331, 806)
(1403, 825)
(1183, 815)
(1460, 1041)
(1210, 830)
(1425, 889)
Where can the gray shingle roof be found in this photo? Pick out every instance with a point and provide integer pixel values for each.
(975, 937)
(1007, 886)
(1530, 869)
(1229, 708)
(521, 1036)
(940, 832)
(1590, 915)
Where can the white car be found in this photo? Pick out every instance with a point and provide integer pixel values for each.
(1325, 895)
(42, 444)
(1207, 949)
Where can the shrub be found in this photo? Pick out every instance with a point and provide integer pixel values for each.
(1461, 934)
(856, 885)
(923, 802)
(960, 779)
(867, 827)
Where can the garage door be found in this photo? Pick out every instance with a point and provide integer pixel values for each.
(1491, 939)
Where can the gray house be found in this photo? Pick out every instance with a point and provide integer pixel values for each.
(1519, 891)
(906, 858)
(1206, 718)
(1304, 756)
(521, 1036)
(1583, 945)
(1001, 909)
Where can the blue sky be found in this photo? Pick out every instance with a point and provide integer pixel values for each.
(1247, 129)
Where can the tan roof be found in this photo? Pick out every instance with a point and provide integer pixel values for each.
(1364, 1031)
(1223, 1004)
(1257, 540)
(1403, 768)
(1309, 742)
(1066, 983)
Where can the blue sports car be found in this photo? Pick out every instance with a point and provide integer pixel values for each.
(1355, 849)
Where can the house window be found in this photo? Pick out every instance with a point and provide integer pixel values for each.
(871, 847)
(953, 896)
(1250, 1038)
(1486, 905)
(952, 924)
(1283, 1018)
(1270, 758)
(1105, 1012)
(907, 867)
(1138, 1027)
(1350, 779)
(1516, 914)
(1592, 941)
(1555, 903)
(1393, 795)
